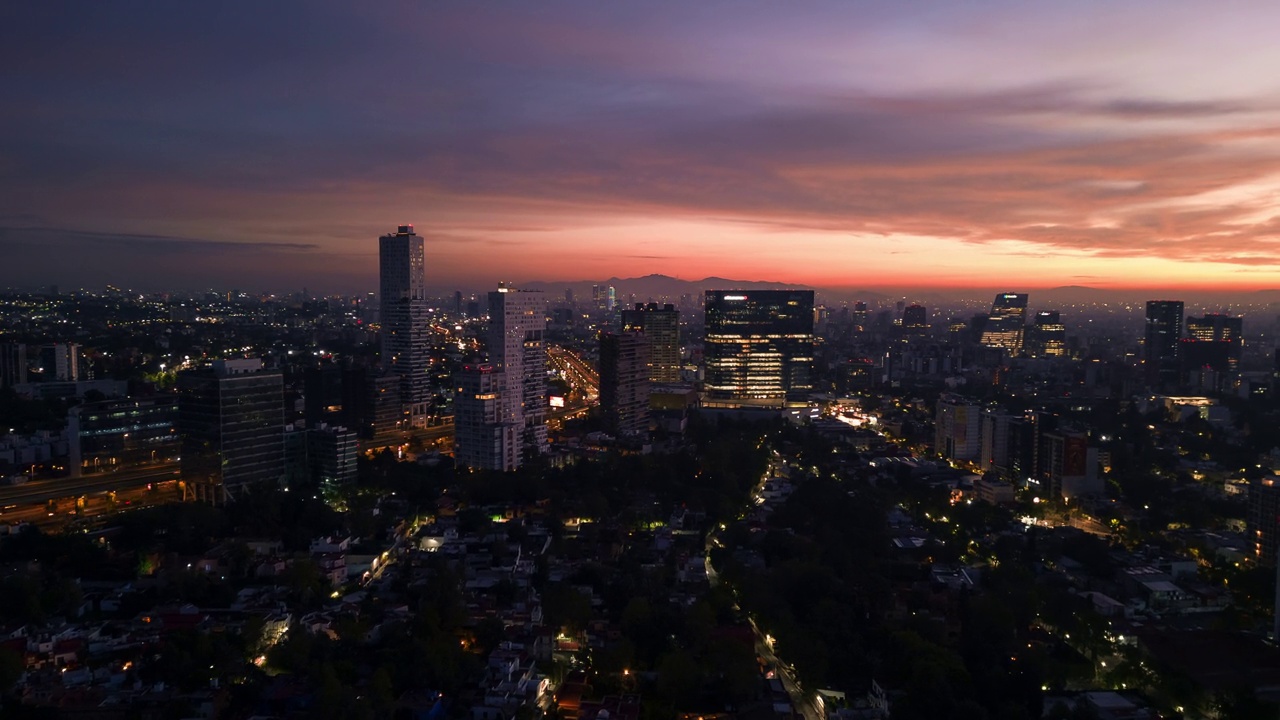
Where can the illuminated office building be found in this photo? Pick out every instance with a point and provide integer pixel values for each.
(759, 347)
(1047, 336)
(1006, 324)
(1213, 341)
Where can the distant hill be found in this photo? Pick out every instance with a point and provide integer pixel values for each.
(657, 288)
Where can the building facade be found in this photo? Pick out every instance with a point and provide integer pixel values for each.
(322, 458)
(517, 323)
(13, 364)
(403, 318)
(624, 382)
(957, 428)
(1007, 322)
(231, 419)
(1047, 336)
(1160, 343)
(486, 434)
(759, 347)
(1213, 343)
(119, 434)
(661, 326)
(915, 320)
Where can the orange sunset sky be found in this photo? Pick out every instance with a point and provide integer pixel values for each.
(835, 144)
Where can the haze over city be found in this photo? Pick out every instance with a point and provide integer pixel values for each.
(640, 359)
(839, 145)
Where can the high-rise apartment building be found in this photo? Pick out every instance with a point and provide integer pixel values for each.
(624, 382)
(517, 321)
(486, 435)
(997, 442)
(231, 419)
(1263, 526)
(1069, 466)
(1006, 324)
(661, 326)
(403, 317)
(371, 403)
(759, 347)
(957, 426)
(1160, 342)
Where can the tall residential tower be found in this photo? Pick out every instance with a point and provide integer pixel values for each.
(403, 315)
(517, 321)
(1160, 343)
(661, 326)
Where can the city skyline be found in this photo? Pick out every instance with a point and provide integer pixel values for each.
(868, 145)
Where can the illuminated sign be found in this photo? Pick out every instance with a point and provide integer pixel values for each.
(735, 297)
(556, 401)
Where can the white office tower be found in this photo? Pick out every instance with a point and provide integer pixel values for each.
(517, 321)
(403, 316)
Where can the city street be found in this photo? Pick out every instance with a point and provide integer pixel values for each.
(803, 704)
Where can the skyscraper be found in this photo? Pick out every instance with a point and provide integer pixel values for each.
(915, 320)
(517, 321)
(661, 326)
(624, 382)
(231, 419)
(403, 315)
(1160, 343)
(486, 435)
(759, 347)
(1006, 323)
(1048, 336)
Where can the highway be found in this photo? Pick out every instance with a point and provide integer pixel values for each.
(577, 372)
(39, 491)
(22, 500)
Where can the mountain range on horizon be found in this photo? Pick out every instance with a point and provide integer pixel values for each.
(665, 288)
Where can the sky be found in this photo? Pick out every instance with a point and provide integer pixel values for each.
(851, 144)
